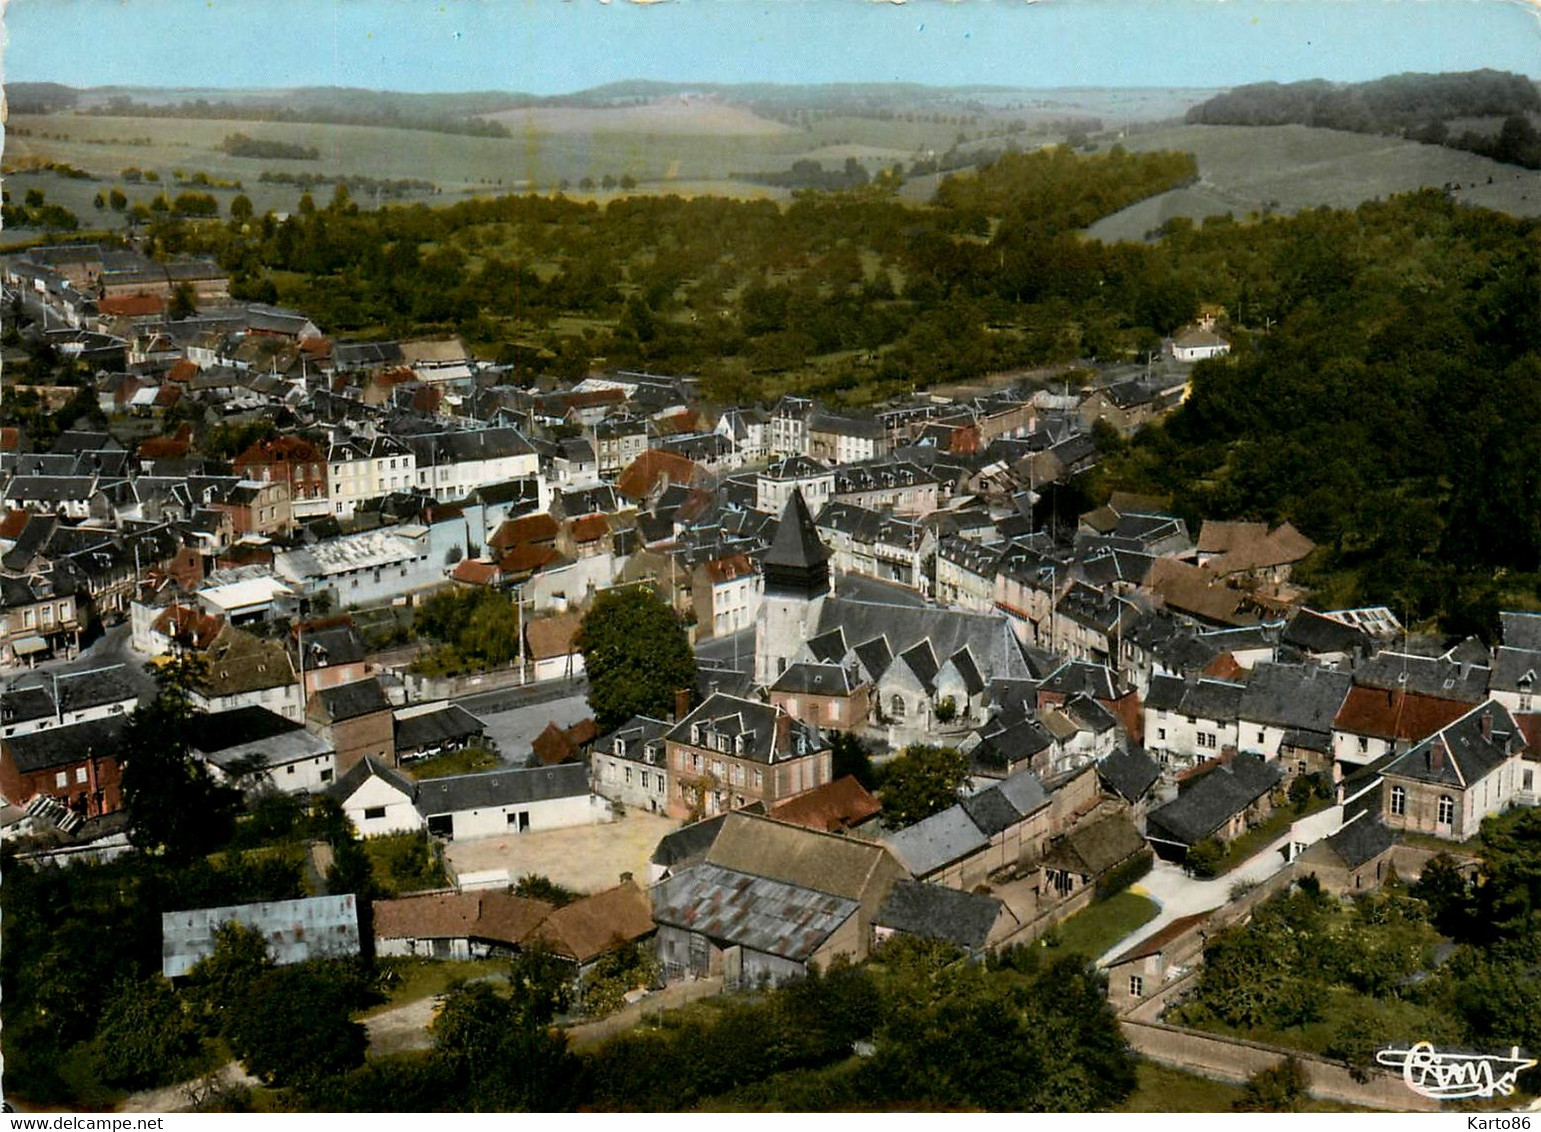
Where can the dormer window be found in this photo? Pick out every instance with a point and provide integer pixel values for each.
(738, 744)
(695, 734)
(620, 747)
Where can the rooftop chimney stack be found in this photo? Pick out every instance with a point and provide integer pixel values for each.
(1487, 726)
(681, 703)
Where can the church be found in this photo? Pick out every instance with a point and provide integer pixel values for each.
(924, 665)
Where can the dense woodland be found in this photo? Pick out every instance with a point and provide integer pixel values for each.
(1411, 105)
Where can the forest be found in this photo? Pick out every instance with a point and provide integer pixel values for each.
(1411, 105)
(1381, 394)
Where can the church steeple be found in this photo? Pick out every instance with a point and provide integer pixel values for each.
(796, 565)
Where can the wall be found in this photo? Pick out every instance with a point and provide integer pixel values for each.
(1229, 1059)
(553, 813)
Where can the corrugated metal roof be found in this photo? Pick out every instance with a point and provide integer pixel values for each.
(315, 927)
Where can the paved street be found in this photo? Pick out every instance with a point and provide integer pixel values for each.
(109, 648)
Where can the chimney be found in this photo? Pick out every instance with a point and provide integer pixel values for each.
(1487, 726)
(1437, 754)
(681, 703)
(783, 730)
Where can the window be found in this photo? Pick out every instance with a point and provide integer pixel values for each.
(1364, 745)
(1446, 814)
(289, 769)
(834, 711)
(759, 780)
(326, 776)
(61, 780)
(1136, 986)
(371, 813)
(1525, 701)
(896, 707)
(1398, 801)
(1161, 734)
(1204, 739)
(644, 779)
(628, 774)
(80, 774)
(792, 705)
(1259, 736)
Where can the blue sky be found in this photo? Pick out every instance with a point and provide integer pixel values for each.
(555, 46)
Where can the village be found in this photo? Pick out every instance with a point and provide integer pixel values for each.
(1141, 706)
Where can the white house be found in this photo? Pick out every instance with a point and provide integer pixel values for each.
(518, 800)
(1188, 721)
(451, 465)
(362, 468)
(377, 799)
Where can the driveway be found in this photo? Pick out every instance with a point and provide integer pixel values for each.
(1182, 895)
(586, 858)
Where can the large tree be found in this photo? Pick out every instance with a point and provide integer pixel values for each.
(922, 781)
(636, 656)
(175, 807)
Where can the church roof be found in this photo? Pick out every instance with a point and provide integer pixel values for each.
(796, 543)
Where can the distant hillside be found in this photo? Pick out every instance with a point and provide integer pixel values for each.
(1417, 106)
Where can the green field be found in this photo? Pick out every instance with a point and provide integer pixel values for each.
(1096, 929)
(1246, 169)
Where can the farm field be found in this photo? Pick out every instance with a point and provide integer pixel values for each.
(1246, 169)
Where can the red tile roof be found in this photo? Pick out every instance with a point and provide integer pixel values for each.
(182, 370)
(527, 557)
(552, 636)
(829, 808)
(729, 569)
(1396, 715)
(587, 928)
(13, 524)
(163, 448)
(475, 573)
(590, 527)
(527, 528)
(10, 439)
(130, 306)
(553, 746)
(652, 468)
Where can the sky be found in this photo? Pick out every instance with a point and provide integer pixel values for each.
(558, 46)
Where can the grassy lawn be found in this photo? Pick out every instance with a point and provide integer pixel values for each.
(468, 760)
(1164, 1089)
(1249, 844)
(424, 978)
(1094, 930)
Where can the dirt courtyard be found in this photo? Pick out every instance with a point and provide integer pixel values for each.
(586, 858)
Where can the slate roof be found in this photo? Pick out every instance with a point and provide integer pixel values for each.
(65, 746)
(1130, 772)
(1200, 699)
(796, 544)
(1521, 630)
(756, 722)
(350, 701)
(366, 768)
(1314, 632)
(933, 911)
(1425, 676)
(1007, 744)
(738, 909)
(815, 679)
(1459, 755)
(937, 841)
(1515, 670)
(989, 638)
(688, 844)
(1213, 800)
(427, 728)
(76, 691)
(1301, 697)
(1361, 840)
(494, 788)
